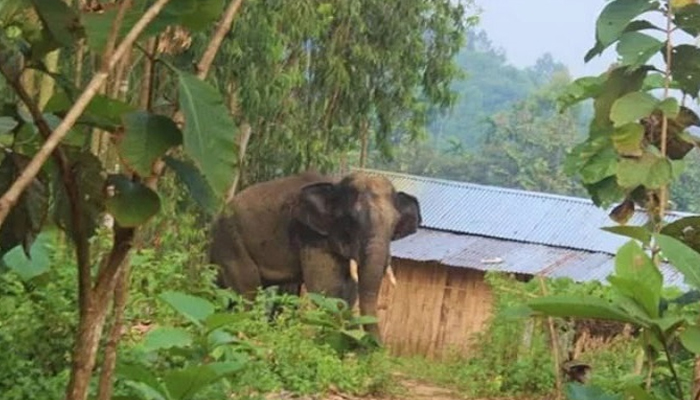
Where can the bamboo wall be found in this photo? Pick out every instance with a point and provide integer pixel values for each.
(433, 310)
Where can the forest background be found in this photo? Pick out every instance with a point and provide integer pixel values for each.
(506, 129)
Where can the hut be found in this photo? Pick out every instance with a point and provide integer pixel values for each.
(441, 298)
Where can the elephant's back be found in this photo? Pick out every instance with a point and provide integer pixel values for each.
(262, 215)
(263, 196)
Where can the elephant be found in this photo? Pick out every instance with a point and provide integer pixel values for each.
(331, 234)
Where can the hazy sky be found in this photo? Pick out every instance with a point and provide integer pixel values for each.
(526, 29)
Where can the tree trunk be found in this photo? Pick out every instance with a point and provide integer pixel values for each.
(364, 138)
(696, 379)
(121, 291)
(92, 321)
(243, 138)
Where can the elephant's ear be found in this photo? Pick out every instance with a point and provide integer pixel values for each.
(409, 215)
(315, 207)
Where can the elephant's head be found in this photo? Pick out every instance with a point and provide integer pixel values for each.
(356, 219)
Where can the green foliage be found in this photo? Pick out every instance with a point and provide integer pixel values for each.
(133, 203)
(338, 326)
(193, 337)
(489, 86)
(524, 146)
(147, 138)
(39, 316)
(623, 104)
(304, 77)
(311, 77)
(512, 356)
(209, 130)
(297, 354)
(36, 262)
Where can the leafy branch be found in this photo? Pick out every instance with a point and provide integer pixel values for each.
(634, 151)
(9, 199)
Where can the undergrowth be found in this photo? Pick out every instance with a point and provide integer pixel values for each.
(38, 322)
(505, 361)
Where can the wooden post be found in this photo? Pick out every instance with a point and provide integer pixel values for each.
(554, 339)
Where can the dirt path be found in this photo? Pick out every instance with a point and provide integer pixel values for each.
(410, 389)
(416, 390)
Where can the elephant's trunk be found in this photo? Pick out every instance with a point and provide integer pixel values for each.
(370, 274)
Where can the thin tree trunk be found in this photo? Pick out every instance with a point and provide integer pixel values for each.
(92, 322)
(243, 138)
(121, 292)
(696, 379)
(554, 343)
(364, 139)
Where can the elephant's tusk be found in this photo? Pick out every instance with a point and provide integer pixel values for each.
(390, 275)
(353, 270)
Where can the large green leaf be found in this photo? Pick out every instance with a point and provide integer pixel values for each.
(600, 166)
(196, 309)
(637, 48)
(627, 139)
(616, 16)
(635, 232)
(670, 107)
(580, 307)
(133, 203)
(27, 217)
(688, 19)
(650, 170)
(194, 15)
(632, 107)
(185, 383)
(619, 82)
(60, 20)
(102, 112)
(218, 320)
(605, 192)
(690, 338)
(164, 337)
(576, 391)
(87, 171)
(146, 138)
(637, 392)
(682, 257)
(685, 68)
(39, 259)
(143, 380)
(209, 134)
(634, 266)
(582, 153)
(579, 90)
(98, 26)
(637, 25)
(686, 229)
(197, 186)
(7, 124)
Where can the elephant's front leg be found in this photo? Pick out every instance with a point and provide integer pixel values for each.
(327, 274)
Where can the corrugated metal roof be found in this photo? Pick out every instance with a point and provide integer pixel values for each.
(511, 214)
(478, 252)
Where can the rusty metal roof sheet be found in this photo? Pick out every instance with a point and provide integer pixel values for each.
(511, 214)
(492, 254)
